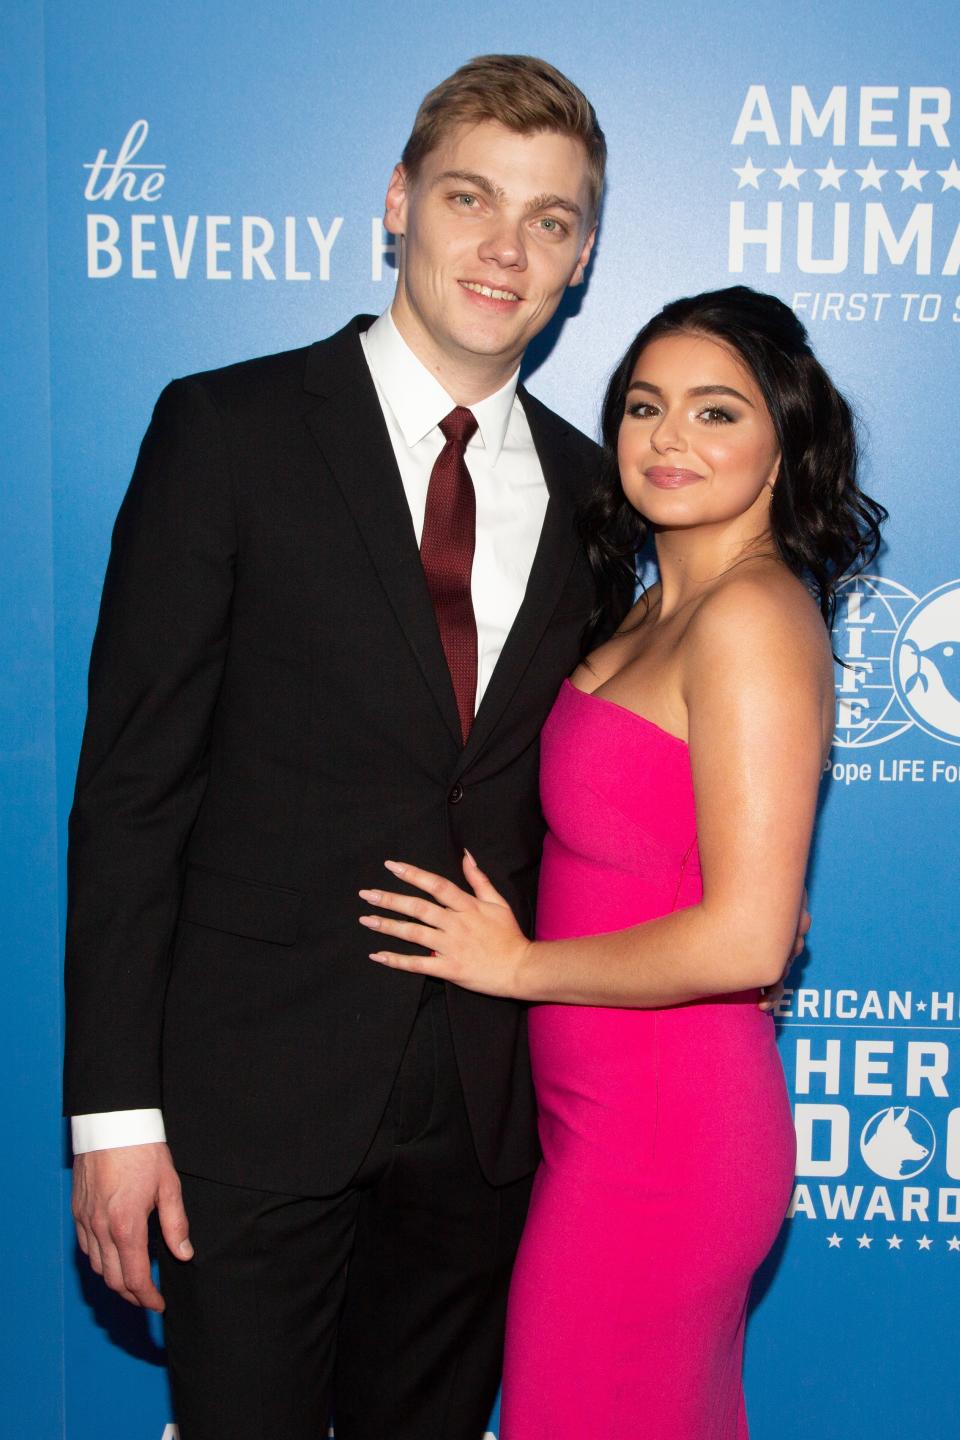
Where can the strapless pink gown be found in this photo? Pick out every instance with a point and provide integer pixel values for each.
(668, 1145)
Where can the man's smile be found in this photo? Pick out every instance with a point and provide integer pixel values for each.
(490, 291)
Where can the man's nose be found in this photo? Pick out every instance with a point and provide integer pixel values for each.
(504, 244)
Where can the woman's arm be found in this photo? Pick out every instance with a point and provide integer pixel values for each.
(757, 683)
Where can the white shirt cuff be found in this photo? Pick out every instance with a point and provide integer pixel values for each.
(110, 1129)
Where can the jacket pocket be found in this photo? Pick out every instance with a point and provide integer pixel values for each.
(240, 907)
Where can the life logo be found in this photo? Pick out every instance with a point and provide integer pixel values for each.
(900, 658)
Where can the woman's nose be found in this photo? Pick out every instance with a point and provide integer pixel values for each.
(668, 434)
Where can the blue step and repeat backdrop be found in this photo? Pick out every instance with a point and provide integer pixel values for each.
(190, 184)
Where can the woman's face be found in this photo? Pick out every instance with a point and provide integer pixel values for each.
(696, 443)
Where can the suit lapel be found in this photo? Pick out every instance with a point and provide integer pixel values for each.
(348, 426)
(553, 561)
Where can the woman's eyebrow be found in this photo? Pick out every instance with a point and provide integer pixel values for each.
(695, 390)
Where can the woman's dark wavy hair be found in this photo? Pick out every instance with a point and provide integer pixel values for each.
(823, 525)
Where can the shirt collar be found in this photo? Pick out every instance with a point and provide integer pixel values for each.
(418, 400)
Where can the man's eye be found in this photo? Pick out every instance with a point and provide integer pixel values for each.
(467, 201)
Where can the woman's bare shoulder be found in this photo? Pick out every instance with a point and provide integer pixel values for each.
(761, 610)
(763, 601)
(758, 655)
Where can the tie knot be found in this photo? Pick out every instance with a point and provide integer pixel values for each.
(460, 425)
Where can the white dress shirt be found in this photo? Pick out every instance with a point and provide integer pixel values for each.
(507, 479)
(511, 503)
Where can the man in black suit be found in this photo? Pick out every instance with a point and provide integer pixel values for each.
(344, 587)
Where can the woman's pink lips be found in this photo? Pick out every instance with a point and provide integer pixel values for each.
(670, 479)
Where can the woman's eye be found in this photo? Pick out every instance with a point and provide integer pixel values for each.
(715, 415)
(641, 410)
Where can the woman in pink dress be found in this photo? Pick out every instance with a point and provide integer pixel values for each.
(679, 777)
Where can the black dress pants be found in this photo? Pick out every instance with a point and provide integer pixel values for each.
(383, 1304)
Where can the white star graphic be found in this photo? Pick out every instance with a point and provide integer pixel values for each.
(834, 1241)
(870, 177)
(830, 176)
(912, 177)
(894, 1242)
(864, 1242)
(953, 1243)
(950, 176)
(924, 1242)
(749, 174)
(921, 1004)
(789, 174)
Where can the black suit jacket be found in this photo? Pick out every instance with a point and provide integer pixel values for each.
(271, 716)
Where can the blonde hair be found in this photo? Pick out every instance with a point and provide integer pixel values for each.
(519, 92)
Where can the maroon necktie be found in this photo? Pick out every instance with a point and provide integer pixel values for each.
(446, 550)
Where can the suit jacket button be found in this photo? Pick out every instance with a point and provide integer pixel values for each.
(456, 795)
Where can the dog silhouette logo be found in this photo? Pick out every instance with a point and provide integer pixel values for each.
(898, 1143)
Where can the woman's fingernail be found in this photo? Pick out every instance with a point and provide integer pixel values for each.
(469, 856)
(395, 867)
(371, 922)
(375, 895)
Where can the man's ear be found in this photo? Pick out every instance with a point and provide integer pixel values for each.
(395, 206)
(577, 277)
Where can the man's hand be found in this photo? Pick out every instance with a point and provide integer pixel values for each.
(113, 1194)
(772, 997)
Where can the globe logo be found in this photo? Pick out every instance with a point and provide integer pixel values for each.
(870, 613)
(897, 1143)
(925, 663)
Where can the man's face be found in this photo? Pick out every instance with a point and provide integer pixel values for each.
(495, 226)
